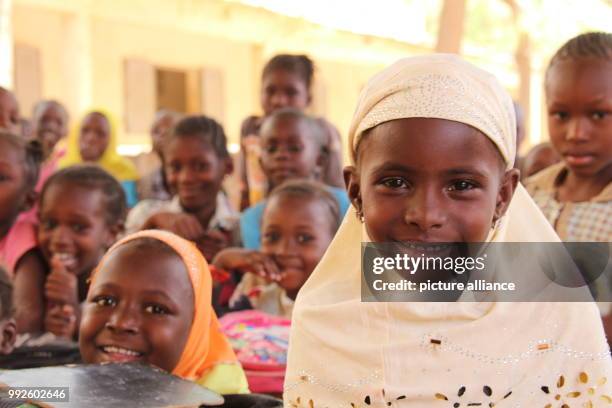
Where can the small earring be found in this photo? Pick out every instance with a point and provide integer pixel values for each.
(360, 215)
(494, 223)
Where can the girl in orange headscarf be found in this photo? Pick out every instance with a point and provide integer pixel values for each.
(150, 301)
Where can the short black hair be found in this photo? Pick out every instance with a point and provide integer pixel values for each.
(314, 190)
(301, 65)
(95, 178)
(6, 295)
(596, 45)
(32, 154)
(207, 129)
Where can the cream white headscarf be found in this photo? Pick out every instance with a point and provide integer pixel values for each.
(347, 353)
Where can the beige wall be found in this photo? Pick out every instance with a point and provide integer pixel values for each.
(113, 42)
(83, 47)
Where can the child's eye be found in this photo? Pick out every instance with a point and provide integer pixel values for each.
(157, 309)
(104, 301)
(200, 166)
(270, 149)
(599, 115)
(304, 238)
(78, 227)
(394, 183)
(559, 115)
(295, 148)
(174, 167)
(270, 237)
(48, 224)
(461, 185)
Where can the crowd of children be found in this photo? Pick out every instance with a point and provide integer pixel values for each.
(135, 260)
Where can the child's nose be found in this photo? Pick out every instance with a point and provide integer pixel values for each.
(186, 175)
(124, 319)
(577, 129)
(424, 210)
(60, 236)
(285, 246)
(279, 100)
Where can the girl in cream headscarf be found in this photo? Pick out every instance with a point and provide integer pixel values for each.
(433, 145)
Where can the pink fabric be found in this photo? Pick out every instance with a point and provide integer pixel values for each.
(260, 342)
(47, 169)
(20, 239)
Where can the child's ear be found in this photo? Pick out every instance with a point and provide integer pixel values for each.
(506, 191)
(351, 179)
(9, 336)
(30, 200)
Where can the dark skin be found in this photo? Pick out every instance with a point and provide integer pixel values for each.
(50, 126)
(94, 137)
(579, 103)
(8, 330)
(140, 308)
(9, 111)
(15, 197)
(283, 89)
(416, 180)
(195, 172)
(289, 151)
(295, 234)
(163, 123)
(72, 239)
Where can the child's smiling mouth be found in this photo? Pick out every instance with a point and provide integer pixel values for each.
(120, 354)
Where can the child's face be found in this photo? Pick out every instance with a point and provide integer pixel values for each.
(289, 151)
(194, 171)
(429, 180)
(140, 308)
(73, 226)
(296, 232)
(579, 101)
(50, 127)
(9, 112)
(283, 89)
(13, 190)
(161, 126)
(94, 137)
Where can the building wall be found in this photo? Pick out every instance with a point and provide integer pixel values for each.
(85, 45)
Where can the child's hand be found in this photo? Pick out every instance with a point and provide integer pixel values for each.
(61, 320)
(184, 225)
(212, 242)
(247, 260)
(61, 285)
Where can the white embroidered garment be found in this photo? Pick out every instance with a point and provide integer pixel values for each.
(345, 353)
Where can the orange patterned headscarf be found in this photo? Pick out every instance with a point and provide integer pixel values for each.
(206, 345)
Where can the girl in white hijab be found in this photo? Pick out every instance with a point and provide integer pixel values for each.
(433, 147)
